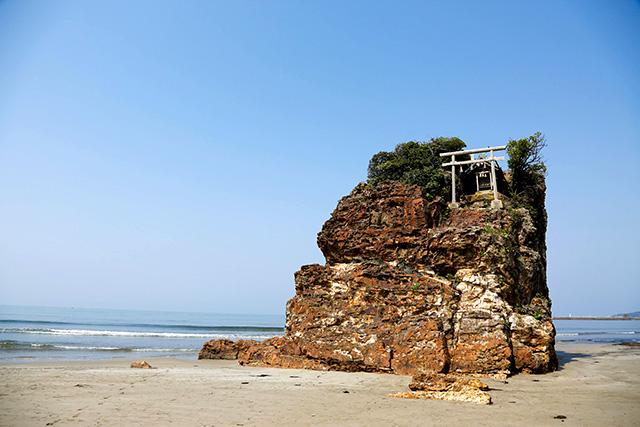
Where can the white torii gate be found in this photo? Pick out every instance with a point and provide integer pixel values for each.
(495, 203)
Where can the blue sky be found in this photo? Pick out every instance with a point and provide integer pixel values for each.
(183, 155)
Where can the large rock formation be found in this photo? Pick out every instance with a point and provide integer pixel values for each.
(410, 286)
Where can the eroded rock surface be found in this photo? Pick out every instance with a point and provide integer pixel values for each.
(427, 385)
(410, 286)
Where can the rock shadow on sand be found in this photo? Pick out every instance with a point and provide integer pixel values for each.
(565, 357)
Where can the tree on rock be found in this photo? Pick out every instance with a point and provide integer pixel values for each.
(526, 162)
(416, 163)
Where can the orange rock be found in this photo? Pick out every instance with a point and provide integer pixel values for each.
(429, 385)
(142, 365)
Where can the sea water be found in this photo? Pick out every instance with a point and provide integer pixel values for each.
(66, 334)
(596, 331)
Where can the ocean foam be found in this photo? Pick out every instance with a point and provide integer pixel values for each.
(98, 333)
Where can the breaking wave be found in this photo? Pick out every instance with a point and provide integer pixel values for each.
(18, 345)
(258, 334)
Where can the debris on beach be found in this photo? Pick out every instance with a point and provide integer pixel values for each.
(142, 365)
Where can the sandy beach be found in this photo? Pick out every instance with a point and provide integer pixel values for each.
(596, 385)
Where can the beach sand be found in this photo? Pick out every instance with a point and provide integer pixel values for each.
(596, 385)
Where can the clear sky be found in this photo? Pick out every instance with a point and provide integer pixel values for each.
(183, 155)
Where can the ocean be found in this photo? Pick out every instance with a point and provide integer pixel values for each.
(74, 334)
(596, 331)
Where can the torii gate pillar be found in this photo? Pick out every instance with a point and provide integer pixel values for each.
(453, 204)
(495, 203)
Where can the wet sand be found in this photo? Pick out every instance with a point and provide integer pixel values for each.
(596, 385)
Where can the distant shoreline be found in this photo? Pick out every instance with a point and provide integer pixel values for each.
(593, 318)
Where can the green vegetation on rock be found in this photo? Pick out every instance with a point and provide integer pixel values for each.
(526, 162)
(419, 163)
(416, 163)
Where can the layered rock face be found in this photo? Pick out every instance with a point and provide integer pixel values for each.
(410, 286)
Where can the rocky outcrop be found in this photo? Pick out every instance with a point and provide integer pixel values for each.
(428, 381)
(411, 286)
(427, 385)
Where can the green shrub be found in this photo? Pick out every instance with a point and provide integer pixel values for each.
(526, 162)
(416, 163)
(446, 212)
